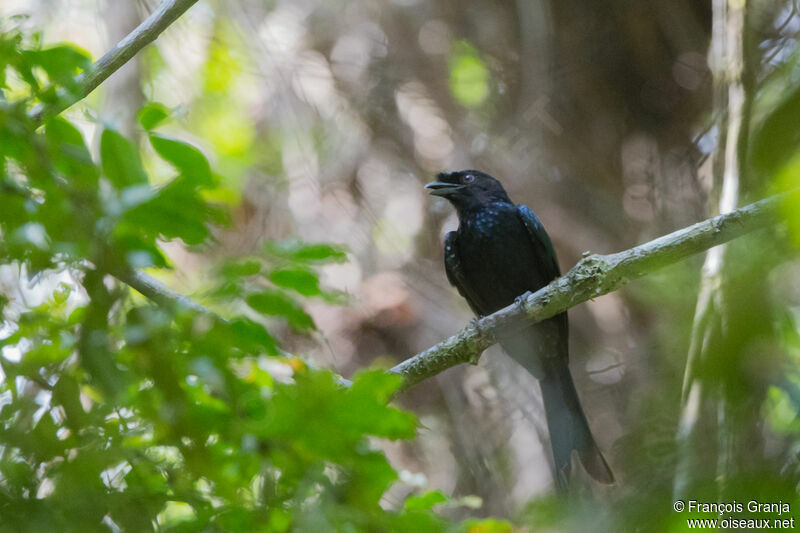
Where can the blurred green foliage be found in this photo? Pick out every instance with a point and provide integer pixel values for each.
(469, 75)
(116, 413)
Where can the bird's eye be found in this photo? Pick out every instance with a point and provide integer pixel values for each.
(469, 178)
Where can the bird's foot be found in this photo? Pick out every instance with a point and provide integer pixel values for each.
(520, 300)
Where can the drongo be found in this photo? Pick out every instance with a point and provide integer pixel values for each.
(499, 252)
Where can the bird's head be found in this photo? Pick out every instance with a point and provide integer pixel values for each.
(468, 189)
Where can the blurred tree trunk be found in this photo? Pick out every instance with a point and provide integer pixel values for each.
(724, 326)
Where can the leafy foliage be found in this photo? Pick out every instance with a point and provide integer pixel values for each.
(117, 413)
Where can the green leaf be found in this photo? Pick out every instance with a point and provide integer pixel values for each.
(302, 281)
(175, 513)
(279, 520)
(241, 269)
(45, 436)
(365, 408)
(70, 153)
(778, 136)
(376, 384)
(320, 252)
(121, 162)
(252, 336)
(153, 114)
(781, 411)
(176, 212)
(189, 161)
(41, 356)
(373, 475)
(61, 62)
(307, 252)
(278, 304)
(787, 179)
(425, 501)
(67, 393)
(138, 251)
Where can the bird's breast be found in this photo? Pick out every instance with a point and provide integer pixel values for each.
(486, 224)
(496, 256)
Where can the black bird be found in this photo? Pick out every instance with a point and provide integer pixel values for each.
(499, 252)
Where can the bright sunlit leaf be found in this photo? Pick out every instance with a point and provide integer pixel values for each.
(469, 76)
(153, 114)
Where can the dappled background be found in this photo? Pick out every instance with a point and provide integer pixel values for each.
(324, 119)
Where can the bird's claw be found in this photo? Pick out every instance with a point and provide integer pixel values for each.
(474, 321)
(520, 300)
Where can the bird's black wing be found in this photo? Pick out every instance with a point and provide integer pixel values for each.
(546, 271)
(540, 241)
(457, 277)
(569, 429)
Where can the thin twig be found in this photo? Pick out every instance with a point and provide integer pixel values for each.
(159, 20)
(159, 293)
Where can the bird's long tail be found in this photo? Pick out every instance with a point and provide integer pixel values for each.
(568, 427)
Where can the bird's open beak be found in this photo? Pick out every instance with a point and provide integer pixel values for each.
(442, 188)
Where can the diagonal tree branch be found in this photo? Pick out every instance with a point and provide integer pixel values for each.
(159, 293)
(147, 32)
(593, 276)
